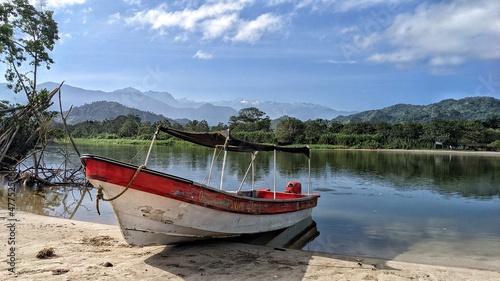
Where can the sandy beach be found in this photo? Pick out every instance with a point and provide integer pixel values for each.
(75, 250)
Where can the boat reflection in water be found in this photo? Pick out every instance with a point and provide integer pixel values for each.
(296, 236)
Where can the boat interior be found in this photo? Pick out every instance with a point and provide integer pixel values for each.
(266, 193)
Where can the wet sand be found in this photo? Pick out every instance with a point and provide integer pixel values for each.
(75, 250)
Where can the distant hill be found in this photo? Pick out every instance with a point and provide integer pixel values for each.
(472, 108)
(152, 105)
(108, 110)
(275, 110)
(163, 103)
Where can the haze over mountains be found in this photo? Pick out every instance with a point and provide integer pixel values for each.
(163, 103)
(154, 106)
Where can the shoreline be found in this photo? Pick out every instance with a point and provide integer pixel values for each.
(312, 147)
(84, 250)
(428, 151)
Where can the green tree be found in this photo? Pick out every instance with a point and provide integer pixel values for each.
(446, 131)
(128, 129)
(313, 129)
(250, 119)
(165, 123)
(473, 132)
(495, 145)
(86, 129)
(405, 135)
(493, 123)
(335, 128)
(145, 130)
(358, 128)
(197, 126)
(27, 35)
(219, 127)
(289, 130)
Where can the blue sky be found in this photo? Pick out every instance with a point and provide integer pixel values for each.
(348, 55)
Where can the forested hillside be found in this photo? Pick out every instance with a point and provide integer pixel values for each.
(253, 125)
(471, 123)
(108, 110)
(473, 108)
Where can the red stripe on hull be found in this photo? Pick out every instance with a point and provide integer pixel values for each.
(184, 190)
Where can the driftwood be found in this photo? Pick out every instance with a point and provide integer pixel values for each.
(13, 146)
(17, 149)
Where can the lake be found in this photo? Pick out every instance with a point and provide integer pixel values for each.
(439, 208)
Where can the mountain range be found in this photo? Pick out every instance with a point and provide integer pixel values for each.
(154, 106)
(164, 104)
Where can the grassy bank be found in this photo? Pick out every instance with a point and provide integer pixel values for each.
(173, 141)
(121, 141)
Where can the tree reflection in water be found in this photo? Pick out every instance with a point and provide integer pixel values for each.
(58, 201)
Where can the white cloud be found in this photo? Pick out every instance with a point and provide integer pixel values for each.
(211, 20)
(330, 61)
(447, 33)
(215, 28)
(132, 2)
(57, 4)
(344, 5)
(446, 60)
(252, 31)
(202, 55)
(187, 18)
(87, 10)
(364, 4)
(64, 36)
(406, 56)
(114, 18)
(183, 37)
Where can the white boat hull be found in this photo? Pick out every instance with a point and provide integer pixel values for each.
(148, 219)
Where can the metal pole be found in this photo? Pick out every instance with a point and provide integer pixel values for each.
(223, 167)
(309, 181)
(211, 167)
(253, 169)
(275, 174)
(224, 161)
(248, 169)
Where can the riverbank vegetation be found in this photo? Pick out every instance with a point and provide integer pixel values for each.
(252, 125)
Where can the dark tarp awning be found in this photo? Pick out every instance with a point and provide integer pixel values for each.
(218, 139)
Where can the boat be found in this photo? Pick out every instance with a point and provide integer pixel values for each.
(157, 208)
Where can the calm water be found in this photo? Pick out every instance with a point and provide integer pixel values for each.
(431, 208)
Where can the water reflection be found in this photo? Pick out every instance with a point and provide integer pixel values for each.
(373, 203)
(464, 175)
(413, 207)
(70, 202)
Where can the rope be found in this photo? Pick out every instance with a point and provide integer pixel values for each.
(100, 194)
(204, 181)
(138, 152)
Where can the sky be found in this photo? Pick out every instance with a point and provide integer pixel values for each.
(348, 55)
